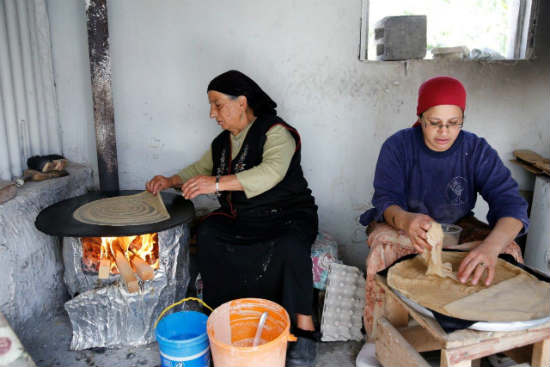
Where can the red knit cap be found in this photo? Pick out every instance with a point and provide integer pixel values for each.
(437, 91)
(440, 90)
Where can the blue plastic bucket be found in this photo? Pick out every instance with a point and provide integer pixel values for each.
(183, 340)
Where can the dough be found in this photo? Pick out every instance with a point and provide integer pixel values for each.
(520, 298)
(142, 208)
(410, 279)
(432, 258)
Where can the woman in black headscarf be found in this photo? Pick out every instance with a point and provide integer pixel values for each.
(258, 244)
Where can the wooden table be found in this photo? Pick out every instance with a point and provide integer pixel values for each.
(399, 342)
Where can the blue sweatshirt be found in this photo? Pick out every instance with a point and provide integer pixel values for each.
(443, 185)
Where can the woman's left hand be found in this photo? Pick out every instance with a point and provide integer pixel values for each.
(480, 259)
(198, 185)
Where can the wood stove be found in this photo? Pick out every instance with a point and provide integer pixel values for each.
(120, 277)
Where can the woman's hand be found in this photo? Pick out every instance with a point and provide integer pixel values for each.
(416, 227)
(198, 185)
(159, 183)
(482, 258)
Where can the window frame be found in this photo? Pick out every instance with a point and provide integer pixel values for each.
(524, 40)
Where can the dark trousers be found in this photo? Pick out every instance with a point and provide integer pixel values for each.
(264, 254)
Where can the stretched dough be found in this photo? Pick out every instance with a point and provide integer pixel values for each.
(432, 258)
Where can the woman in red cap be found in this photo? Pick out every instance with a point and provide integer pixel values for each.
(434, 172)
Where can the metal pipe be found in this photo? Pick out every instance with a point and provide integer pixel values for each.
(100, 67)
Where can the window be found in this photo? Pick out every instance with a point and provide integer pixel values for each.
(467, 29)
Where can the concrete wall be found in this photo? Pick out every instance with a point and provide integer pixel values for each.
(302, 53)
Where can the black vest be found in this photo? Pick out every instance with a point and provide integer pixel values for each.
(291, 192)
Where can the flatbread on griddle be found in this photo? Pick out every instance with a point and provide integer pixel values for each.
(520, 298)
(440, 294)
(138, 209)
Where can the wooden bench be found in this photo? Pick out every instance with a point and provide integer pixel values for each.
(399, 342)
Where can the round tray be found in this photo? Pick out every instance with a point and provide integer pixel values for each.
(58, 220)
(480, 325)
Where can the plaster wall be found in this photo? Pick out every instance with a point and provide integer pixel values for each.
(304, 55)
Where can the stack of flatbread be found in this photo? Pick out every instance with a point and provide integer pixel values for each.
(430, 280)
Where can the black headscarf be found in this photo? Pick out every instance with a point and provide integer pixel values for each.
(235, 83)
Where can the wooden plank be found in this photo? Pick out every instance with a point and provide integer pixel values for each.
(420, 339)
(395, 312)
(527, 166)
(377, 313)
(393, 350)
(496, 345)
(447, 362)
(465, 337)
(541, 353)
(429, 324)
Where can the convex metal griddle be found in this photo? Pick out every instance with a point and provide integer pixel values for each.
(57, 219)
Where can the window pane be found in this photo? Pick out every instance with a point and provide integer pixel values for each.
(485, 25)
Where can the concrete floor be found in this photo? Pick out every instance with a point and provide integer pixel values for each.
(48, 345)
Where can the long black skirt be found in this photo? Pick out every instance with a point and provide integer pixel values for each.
(265, 254)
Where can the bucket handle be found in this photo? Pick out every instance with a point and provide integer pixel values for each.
(291, 338)
(179, 303)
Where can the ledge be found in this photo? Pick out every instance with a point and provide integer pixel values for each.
(32, 268)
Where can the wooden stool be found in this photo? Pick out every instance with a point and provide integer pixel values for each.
(399, 344)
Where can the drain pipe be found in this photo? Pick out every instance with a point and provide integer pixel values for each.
(104, 118)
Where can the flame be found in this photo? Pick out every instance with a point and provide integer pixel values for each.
(145, 246)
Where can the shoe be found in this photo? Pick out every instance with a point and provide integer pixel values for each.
(302, 352)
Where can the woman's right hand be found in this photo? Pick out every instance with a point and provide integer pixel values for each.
(416, 226)
(158, 183)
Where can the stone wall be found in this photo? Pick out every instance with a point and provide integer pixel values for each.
(31, 268)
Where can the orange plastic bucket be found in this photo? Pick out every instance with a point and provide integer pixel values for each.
(231, 329)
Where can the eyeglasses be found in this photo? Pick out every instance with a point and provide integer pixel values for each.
(453, 125)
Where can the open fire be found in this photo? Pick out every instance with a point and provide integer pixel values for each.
(122, 255)
(120, 308)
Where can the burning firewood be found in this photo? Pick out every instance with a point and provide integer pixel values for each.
(144, 271)
(135, 245)
(124, 268)
(104, 269)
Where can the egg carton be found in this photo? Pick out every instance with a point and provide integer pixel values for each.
(344, 303)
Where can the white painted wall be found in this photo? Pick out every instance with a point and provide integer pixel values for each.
(304, 55)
